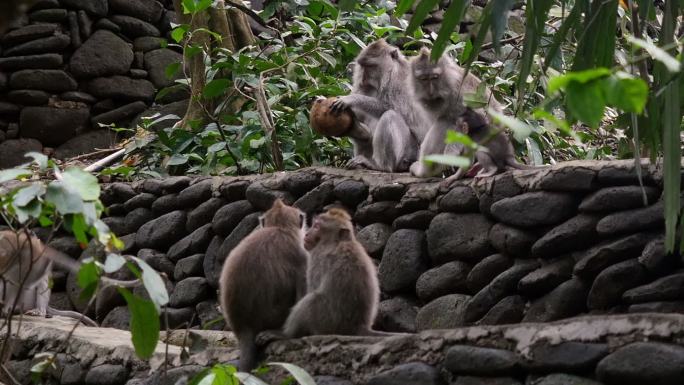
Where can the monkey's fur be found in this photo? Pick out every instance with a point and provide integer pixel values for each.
(389, 123)
(25, 266)
(342, 285)
(439, 86)
(263, 277)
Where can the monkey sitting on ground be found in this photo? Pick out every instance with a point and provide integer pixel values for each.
(389, 124)
(263, 277)
(342, 285)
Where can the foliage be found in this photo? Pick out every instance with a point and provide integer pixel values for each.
(71, 202)
(221, 374)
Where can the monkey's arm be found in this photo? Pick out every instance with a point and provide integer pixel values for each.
(357, 102)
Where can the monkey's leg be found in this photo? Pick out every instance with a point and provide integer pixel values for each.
(489, 167)
(432, 144)
(248, 351)
(361, 161)
(511, 162)
(267, 336)
(72, 314)
(394, 148)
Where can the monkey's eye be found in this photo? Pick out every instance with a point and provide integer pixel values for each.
(434, 76)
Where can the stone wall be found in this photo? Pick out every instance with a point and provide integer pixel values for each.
(524, 246)
(70, 65)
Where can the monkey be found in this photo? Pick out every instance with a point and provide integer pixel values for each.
(439, 87)
(263, 277)
(389, 124)
(342, 285)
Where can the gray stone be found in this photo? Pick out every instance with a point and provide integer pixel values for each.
(410, 373)
(163, 231)
(658, 307)
(631, 221)
(547, 277)
(262, 198)
(618, 176)
(486, 270)
(619, 198)
(85, 143)
(473, 380)
(214, 263)
(108, 25)
(166, 204)
(189, 292)
(209, 316)
(535, 209)
(594, 260)
(574, 234)
(175, 184)
(442, 313)
(611, 284)
(133, 27)
(330, 380)
(385, 211)
(449, 278)
(511, 241)
(567, 300)
(234, 190)
(314, 200)
(509, 310)
(157, 261)
(143, 200)
(52, 44)
(28, 33)
(74, 31)
(136, 218)
(203, 213)
(72, 374)
(397, 314)
(299, 183)
(85, 24)
(117, 318)
(94, 7)
(177, 318)
(20, 370)
(194, 243)
(28, 97)
(643, 363)
(504, 284)
(121, 88)
(569, 179)
(153, 186)
(388, 192)
(146, 10)
(460, 199)
(655, 258)
(374, 238)
(458, 237)
(107, 374)
(40, 61)
(505, 186)
(55, 15)
(53, 126)
(46, 80)
(120, 115)
(189, 267)
(122, 191)
(419, 220)
(9, 109)
(566, 357)
(138, 74)
(12, 151)
(351, 192)
(147, 43)
(403, 260)
(670, 288)
(229, 216)
(463, 359)
(156, 63)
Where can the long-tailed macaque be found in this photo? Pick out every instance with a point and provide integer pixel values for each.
(263, 277)
(389, 123)
(342, 285)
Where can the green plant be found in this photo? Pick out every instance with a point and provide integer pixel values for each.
(221, 374)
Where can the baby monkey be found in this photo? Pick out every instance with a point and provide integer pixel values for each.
(342, 289)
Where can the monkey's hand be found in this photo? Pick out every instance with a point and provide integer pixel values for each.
(36, 313)
(267, 336)
(340, 105)
(359, 161)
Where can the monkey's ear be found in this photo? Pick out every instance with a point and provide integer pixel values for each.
(344, 234)
(278, 203)
(394, 53)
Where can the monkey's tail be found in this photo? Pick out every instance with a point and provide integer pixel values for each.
(511, 162)
(72, 314)
(248, 351)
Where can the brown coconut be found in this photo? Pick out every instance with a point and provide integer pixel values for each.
(327, 123)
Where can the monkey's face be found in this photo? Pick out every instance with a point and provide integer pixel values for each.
(313, 236)
(428, 85)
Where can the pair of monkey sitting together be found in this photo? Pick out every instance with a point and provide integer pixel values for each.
(282, 281)
(402, 110)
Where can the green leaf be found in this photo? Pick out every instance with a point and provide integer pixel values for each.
(172, 69)
(449, 160)
(144, 323)
(84, 183)
(298, 373)
(153, 283)
(403, 7)
(422, 11)
(249, 379)
(625, 92)
(459, 137)
(177, 159)
(179, 32)
(452, 18)
(346, 5)
(520, 129)
(215, 88)
(13, 173)
(561, 82)
(586, 102)
(65, 200)
(657, 53)
(500, 12)
(188, 6)
(113, 263)
(40, 159)
(27, 194)
(87, 278)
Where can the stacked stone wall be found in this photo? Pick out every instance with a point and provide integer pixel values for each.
(70, 66)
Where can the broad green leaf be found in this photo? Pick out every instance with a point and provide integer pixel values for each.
(84, 183)
(113, 263)
(65, 200)
(153, 283)
(27, 194)
(346, 5)
(215, 88)
(31, 210)
(249, 379)
(422, 11)
(452, 18)
(627, 93)
(449, 160)
(188, 6)
(13, 173)
(561, 82)
(596, 46)
(520, 129)
(202, 5)
(87, 278)
(216, 147)
(586, 102)
(328, 58)
(657, 53)
(179, 32)
(40, 159)
(402, 7)
(570, 22)
(144, 323)
(177, 159)
(500, 12)
(172, 69)
(298, 373)
(459, 137)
